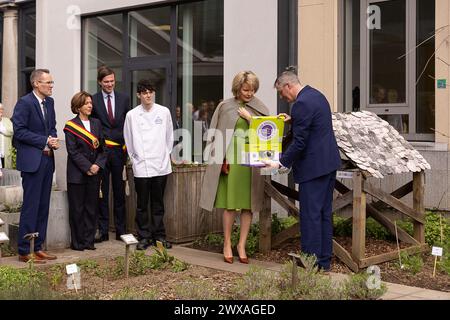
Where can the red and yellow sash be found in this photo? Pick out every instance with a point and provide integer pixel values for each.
(111, 144)
(82, 133)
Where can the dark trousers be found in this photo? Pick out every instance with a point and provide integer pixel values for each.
(37, 188)
(114, 167)
(150, 225)
(83, 212)
(316, 225)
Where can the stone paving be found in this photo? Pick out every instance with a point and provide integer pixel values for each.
(114, 248)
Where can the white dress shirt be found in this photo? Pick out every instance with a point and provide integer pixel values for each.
(113, 101)
(86, 124)
(149, 140)
(46, 148)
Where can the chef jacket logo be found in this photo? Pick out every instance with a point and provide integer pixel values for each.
(158, 120)
(266, 130)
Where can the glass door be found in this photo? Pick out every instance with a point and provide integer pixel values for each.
(158, 74)
(387, 76)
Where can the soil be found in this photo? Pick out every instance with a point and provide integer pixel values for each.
(164, 283)
(390, 271)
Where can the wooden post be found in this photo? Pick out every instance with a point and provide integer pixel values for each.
(359, 218)
(418, 204)
(265, 223)
(127, 260)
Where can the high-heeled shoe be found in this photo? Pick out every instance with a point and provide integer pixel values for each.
(242, 260)
(228, 259)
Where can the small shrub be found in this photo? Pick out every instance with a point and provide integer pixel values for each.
(444, 264)
(140, 263)
(411, 263)
(356, 288)
(214, 239)
(257, 284)
(24, 284)
(56, 275)
(88, 265)
(197, 290)
(432, 228)
(311, 284)
(134, 294)
(342, 227)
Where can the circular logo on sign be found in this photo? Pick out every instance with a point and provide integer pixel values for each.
(266, 130)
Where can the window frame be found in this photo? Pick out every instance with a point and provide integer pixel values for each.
(410, 106)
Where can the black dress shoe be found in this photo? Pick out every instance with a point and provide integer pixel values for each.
(76, 248)
(143, 244)
(164, 242)
(104, 237)
(90, 248)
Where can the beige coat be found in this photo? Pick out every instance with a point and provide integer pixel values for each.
(225, 117)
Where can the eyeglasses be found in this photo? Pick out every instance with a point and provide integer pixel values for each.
(49, 83)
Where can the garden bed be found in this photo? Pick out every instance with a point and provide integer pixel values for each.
(417, 271)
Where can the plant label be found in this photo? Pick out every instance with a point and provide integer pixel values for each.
(71, 269)
(3, 237)
(128, 239)
(437, 252)
(344, 175)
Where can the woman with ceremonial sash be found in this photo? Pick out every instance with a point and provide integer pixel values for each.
(86, 156)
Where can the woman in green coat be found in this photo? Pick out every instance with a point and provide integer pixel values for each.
(227, 184)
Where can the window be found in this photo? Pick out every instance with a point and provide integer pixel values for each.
(27, 47)
(103, 45)
(179, 47)
(397, 83)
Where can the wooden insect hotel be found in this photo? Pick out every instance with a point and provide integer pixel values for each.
(369, 147)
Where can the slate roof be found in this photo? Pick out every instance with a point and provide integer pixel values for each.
(374, 146)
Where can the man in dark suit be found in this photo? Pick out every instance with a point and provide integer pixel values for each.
(110, 107)
(35, 139)
(314, 158)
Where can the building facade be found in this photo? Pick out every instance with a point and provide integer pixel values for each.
(190, 49)
(391, 57)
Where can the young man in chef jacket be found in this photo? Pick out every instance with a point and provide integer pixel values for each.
(148, 134)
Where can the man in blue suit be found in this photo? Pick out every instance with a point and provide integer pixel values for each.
(314, 157)
(35, 139)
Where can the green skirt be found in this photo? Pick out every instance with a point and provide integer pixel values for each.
(234, 190)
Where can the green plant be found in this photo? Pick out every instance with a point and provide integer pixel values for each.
(197, 290)
(280, 224)
(343, 228)
(433, 222)
(411, 263)
(252, 244)
(214, 239)
(140, 263)
(257, 284)
(356, 287)
(56, 275)
(134, 294)
(88, 265)
(24, 284)
(444, 264)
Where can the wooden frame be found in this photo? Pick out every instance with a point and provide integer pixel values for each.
(361, 209)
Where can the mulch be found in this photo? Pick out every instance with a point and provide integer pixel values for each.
(390, 271)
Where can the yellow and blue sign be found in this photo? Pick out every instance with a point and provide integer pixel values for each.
(264, 140)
